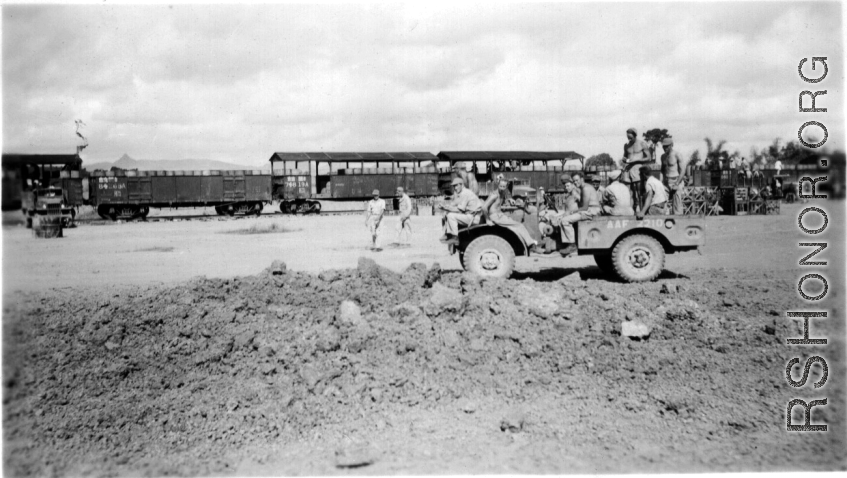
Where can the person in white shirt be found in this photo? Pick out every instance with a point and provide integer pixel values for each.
(404, 227)
(655, 194)
(778, 166)
(373, 215)
(617, 197)
(465, 209)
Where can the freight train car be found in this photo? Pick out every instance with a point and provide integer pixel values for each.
(301, 179)
(131, 194)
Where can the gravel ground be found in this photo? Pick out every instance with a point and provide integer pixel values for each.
(395, 365)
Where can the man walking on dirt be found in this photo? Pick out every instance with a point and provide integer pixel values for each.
(673, 174)
(655, 194)
(404, 205)
(465, 209)
(635, 152)
(373, 215)
(617, 198)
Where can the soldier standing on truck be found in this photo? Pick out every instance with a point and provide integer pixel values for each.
(405, 225)
(655, 194)
(465, 209)
(635, 153)
(673, 174)
(373, 215)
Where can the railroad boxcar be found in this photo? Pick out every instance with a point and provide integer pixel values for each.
(131, 194)
(306, 178)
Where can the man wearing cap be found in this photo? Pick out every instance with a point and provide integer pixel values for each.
(373, 215)
(465, 209)
(673, 174)
(655, 194)
(404, 205)
(617, 198)
(468, 179)
(635, 153)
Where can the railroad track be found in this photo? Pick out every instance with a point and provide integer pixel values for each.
(214, 217)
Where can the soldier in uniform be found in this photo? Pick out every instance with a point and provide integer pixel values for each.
(635, 153)
(405, 226)
(373, 215)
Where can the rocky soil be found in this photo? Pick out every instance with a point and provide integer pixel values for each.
(369, 371)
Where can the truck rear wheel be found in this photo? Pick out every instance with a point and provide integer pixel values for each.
(638, 258)
(489, 256)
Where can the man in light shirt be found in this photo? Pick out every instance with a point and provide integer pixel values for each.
(465, 209)
(404, 228)
(655, 194)
(373, 215)
(617, 198)
(589, 206)
(778, 166)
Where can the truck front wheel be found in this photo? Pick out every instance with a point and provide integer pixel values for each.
(638, 258)
(489, 256)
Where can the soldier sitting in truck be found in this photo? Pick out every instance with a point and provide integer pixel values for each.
(589, 206)
(492, 213)
(655, 194)
(617, 197)
(465, 209)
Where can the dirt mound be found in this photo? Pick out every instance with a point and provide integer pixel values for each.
(171, 380)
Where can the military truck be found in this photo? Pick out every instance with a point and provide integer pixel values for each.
(49, 201)
(629, 248)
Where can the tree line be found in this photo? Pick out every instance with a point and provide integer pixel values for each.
(788, 153)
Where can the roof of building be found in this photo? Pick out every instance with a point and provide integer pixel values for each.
(509, 155)
(16, 160)
(343, 157)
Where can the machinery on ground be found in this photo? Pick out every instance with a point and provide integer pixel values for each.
(44, 202)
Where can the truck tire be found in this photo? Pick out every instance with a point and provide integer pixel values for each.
(638, 258)
(489, 256)
(604, 262)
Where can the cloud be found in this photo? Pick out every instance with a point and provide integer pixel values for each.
(237, 83)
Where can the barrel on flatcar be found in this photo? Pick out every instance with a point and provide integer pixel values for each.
(131, 194)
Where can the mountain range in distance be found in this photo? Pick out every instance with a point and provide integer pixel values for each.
(126, 162)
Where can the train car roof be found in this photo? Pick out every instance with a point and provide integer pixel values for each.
(508, 155)
(15, 160)
(343, 157)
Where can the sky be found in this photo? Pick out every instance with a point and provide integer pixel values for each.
(237, 83)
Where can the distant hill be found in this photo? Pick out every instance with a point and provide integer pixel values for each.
(126, 162)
